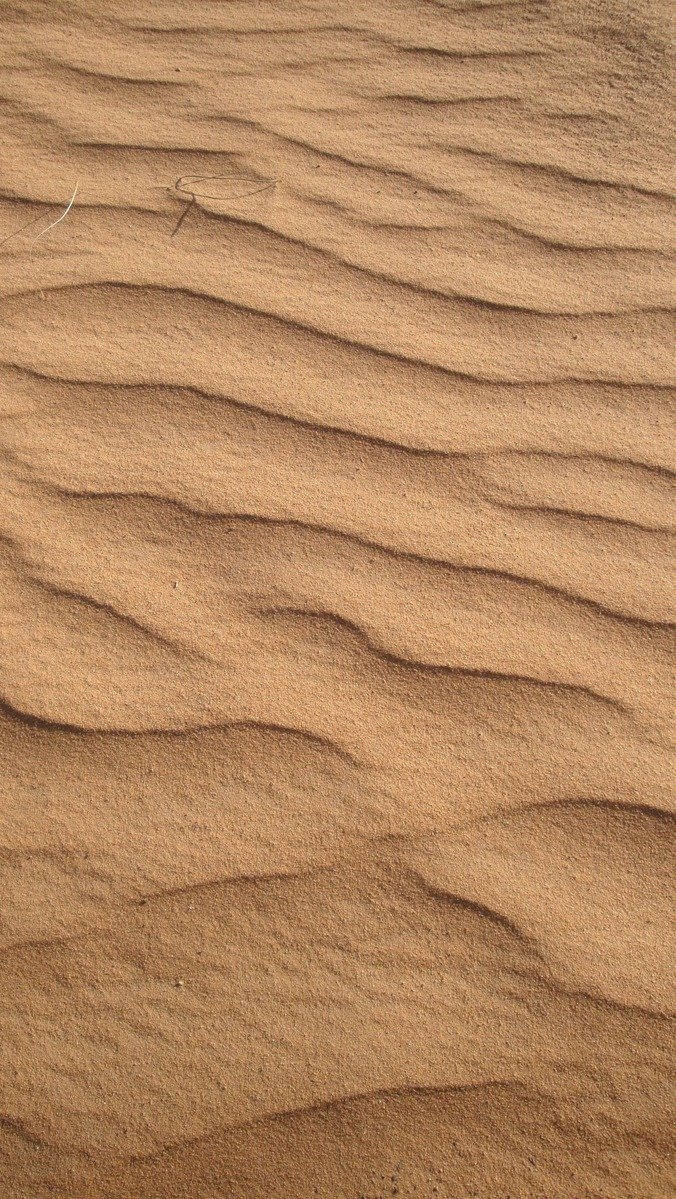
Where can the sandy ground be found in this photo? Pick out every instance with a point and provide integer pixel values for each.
(336, 561)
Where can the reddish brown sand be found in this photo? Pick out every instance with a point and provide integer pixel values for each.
(336, 722)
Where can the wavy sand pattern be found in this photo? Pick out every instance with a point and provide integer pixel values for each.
(336, 549)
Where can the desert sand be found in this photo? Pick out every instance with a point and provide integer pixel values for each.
(336, 620)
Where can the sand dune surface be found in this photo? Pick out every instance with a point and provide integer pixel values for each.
(337, 599)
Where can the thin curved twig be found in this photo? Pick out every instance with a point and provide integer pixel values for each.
(195, 195)
(58, 220)
(34, 220)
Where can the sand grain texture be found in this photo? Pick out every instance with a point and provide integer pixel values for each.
(337, 599)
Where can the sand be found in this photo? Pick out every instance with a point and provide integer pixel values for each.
(336, 552)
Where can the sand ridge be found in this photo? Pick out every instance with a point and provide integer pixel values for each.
(337, 597)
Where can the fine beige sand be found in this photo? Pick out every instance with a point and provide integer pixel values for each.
(336, 552)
